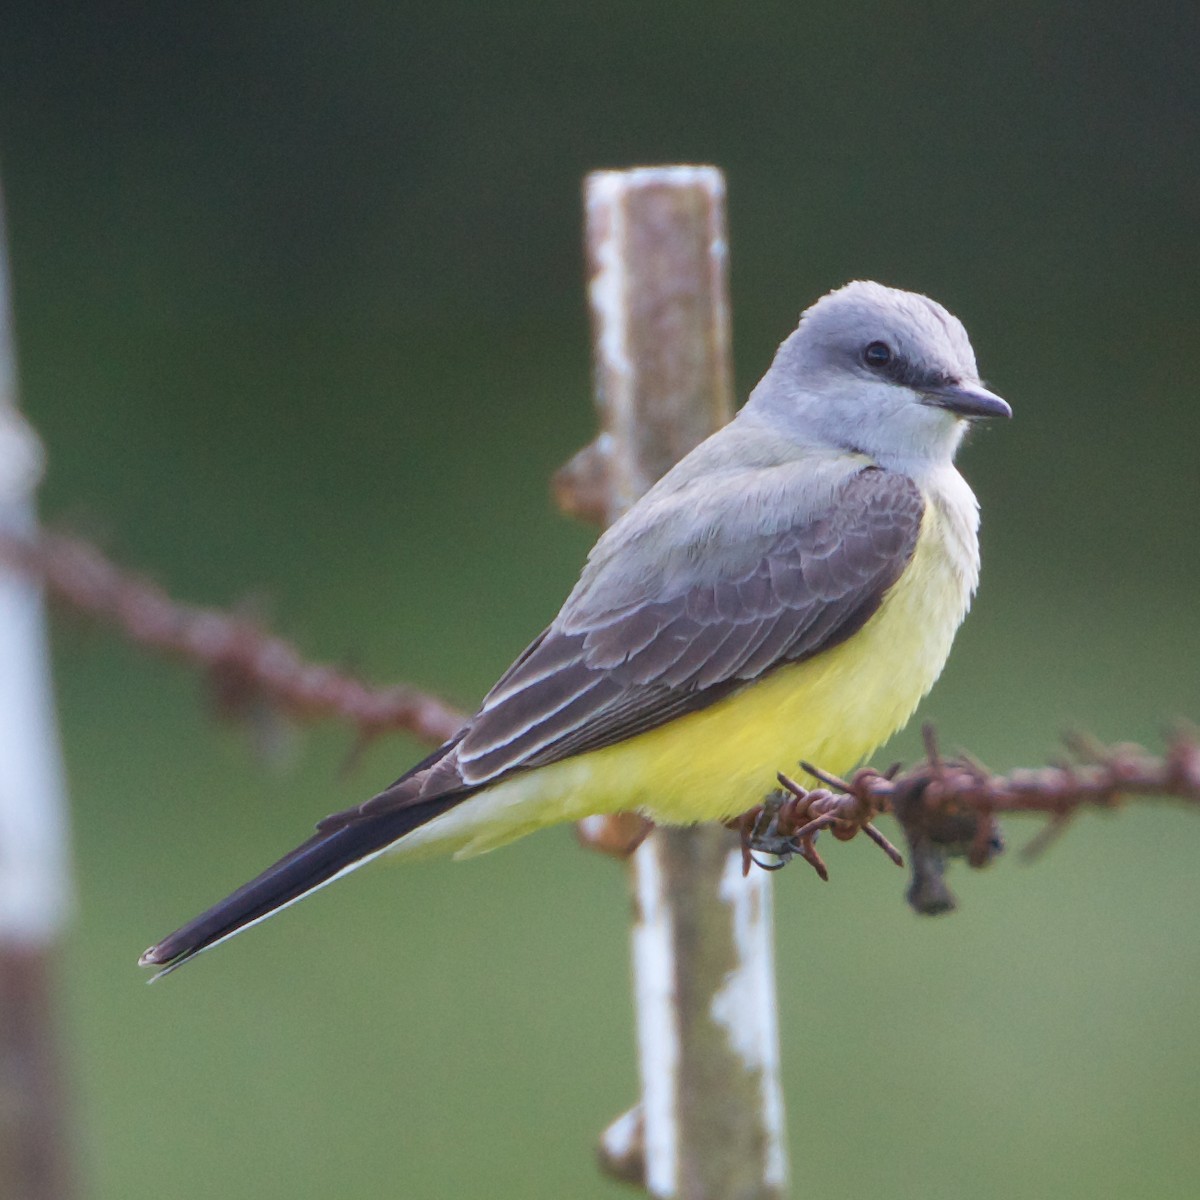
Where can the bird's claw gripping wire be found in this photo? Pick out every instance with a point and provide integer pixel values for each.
(788, 822)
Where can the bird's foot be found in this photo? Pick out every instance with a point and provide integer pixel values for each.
(770, 830)
(787, 823)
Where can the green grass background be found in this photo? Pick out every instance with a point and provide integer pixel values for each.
(300, 313)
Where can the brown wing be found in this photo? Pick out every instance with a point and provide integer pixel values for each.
(626, 670)
(632, 665)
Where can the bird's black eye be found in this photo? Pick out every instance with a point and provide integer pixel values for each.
(877, 354)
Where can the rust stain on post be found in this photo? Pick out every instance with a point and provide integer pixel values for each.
(34, 1158)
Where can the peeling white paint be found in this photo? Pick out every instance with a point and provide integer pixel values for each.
(21, 458)
(34, 892)
(621, 1138)
(675, 175)
(592, 828)
(657, 1021)
(745, 1004)
(606, 291)
(608, 295)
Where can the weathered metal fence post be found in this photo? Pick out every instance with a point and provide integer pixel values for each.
(710, 1122)
(34, 891)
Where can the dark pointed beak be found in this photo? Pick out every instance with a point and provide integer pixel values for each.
(971, 400)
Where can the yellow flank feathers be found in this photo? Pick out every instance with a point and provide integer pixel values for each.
(833, 710)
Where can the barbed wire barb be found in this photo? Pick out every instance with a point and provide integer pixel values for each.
(947, 807)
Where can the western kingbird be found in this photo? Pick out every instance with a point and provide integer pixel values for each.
(789, 590)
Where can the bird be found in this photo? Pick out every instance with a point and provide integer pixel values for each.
(788, 591)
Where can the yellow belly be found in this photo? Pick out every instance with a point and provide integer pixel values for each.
(832, 710)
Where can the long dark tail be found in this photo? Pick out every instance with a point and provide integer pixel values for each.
(317, 862)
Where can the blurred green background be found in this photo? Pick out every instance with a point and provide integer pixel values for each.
(300, 314)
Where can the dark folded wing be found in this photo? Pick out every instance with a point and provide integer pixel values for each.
(633, 666)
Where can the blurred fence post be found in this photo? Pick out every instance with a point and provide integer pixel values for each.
(710, 1122)
(34, 890)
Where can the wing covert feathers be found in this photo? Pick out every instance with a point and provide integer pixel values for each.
(627, 665)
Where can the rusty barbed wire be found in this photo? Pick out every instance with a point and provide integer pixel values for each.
(947, 807)
(245, 666)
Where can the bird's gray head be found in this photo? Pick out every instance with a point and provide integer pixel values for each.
(877, 370)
